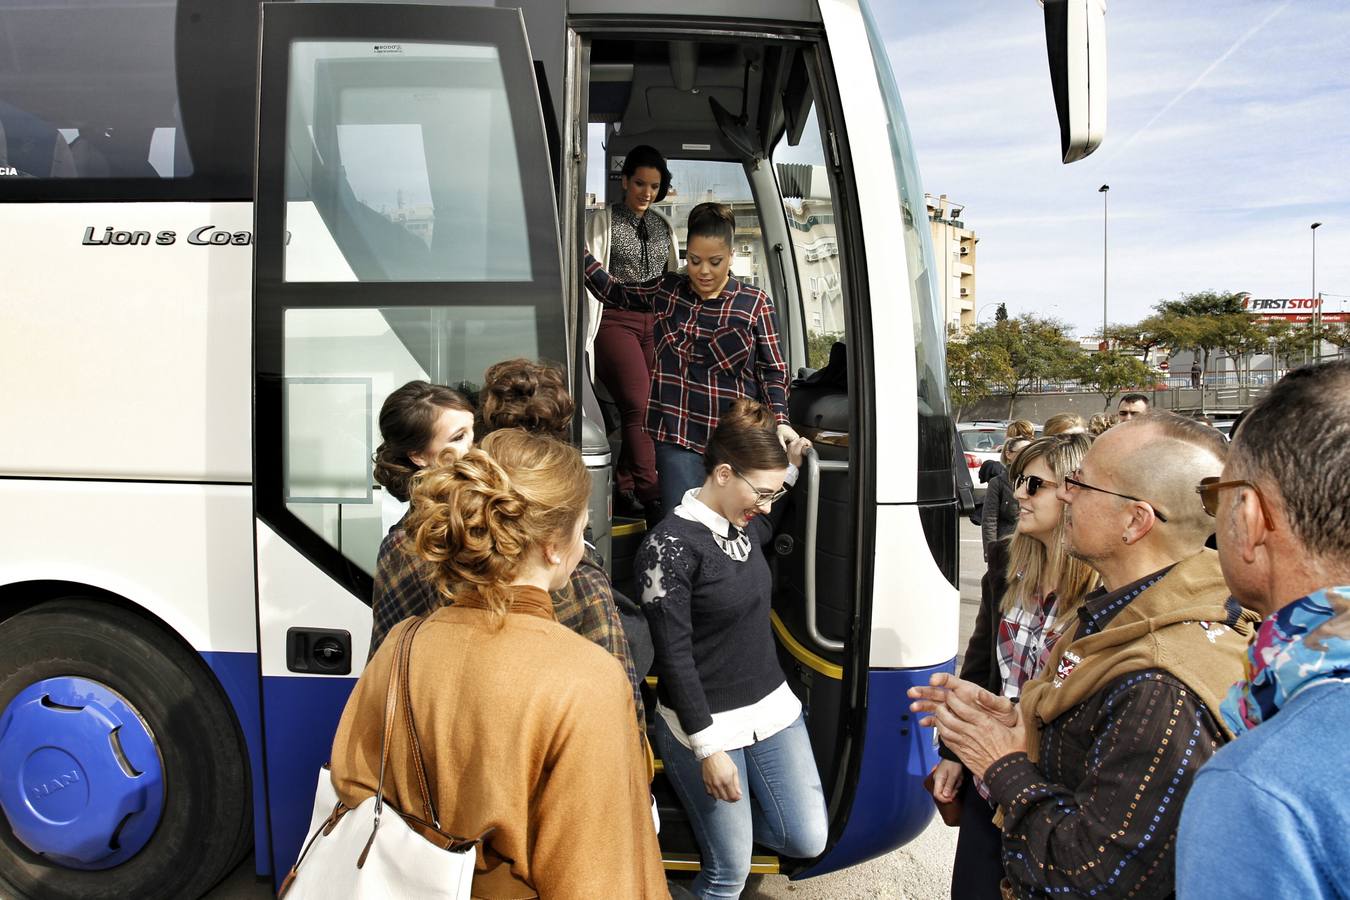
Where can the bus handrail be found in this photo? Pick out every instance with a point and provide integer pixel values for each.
(814, 465)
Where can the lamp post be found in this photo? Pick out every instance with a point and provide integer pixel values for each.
(1102, 190)
(1317, 307)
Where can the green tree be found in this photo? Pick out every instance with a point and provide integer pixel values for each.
(818, 346)
(1338, 334)
(1288, 342)
(1237, 334)
(1001, 313)
(1160, 330)
(1036, 349)
(1109, 372)
(1191, 321)
(1202, 303)
(972, 369)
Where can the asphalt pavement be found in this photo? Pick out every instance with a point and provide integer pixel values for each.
(920, 870)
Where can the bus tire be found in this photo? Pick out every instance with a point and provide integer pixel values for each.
(204, 825)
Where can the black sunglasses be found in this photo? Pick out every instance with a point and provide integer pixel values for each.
(1074, 482)
(1033, 483)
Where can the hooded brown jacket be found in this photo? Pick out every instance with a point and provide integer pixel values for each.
(526, 729)
(1117, 725)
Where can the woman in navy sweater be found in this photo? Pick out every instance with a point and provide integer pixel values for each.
(728, 727)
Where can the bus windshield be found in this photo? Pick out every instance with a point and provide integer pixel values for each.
(935, 455)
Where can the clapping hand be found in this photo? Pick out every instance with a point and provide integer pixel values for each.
(976, 725)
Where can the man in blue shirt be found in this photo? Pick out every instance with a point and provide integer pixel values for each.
(1269, 814)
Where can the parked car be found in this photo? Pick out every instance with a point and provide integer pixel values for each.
(980, 442)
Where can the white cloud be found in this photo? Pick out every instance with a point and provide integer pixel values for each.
(1217, 188)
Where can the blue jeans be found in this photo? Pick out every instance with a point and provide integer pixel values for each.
(679, 470)
(782, 805)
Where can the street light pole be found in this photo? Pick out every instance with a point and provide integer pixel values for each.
(1102, 190)
(1317, 307)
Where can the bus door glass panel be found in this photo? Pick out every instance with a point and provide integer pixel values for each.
(696, 181)
(402, 165)
(340, 365)
(935, 475)
(408, 170)
(819, 405)
(808, 204)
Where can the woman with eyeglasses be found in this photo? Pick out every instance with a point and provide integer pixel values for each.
(728, 727)
(716, 341)
(635, 243)
(1021, 616)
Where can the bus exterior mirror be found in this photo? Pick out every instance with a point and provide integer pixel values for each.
(1075, 43)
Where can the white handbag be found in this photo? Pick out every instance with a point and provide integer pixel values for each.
(372, 851)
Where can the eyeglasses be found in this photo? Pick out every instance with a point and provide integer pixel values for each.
(1209, 488)
(1075, 482)
(762, 495)
(1033, 483)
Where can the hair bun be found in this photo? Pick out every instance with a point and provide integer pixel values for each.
(746, 413)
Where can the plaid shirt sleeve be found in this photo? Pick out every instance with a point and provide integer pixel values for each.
(403, 587)
(586, 605)
(642, 297)
(770, 369)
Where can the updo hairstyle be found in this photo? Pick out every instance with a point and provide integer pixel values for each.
(712, 220)
(520, 393)
(476, 518)
(408, 424)
(746, 439)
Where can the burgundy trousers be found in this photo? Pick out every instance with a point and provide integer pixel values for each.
(625, 357)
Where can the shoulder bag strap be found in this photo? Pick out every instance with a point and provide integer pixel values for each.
(390, 708)
(419, 765)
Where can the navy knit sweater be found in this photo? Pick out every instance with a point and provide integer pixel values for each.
(709, 617)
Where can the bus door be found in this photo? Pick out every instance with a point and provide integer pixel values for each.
(405, 229)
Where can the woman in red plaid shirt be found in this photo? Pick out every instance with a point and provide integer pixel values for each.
(716, 341)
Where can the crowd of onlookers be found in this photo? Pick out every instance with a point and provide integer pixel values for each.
(1138, 714)
(1096, 742)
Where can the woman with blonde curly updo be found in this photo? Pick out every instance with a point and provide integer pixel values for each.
(529, 394)
(523, 723)
(418, 422)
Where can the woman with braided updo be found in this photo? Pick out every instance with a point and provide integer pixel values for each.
(523, 724)
(418, 422)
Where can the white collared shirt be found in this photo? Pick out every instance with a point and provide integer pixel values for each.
(745, 725)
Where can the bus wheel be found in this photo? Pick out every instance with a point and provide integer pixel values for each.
(122, 771)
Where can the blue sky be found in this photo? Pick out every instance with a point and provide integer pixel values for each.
(1228, 133)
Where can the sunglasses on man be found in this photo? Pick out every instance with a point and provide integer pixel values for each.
(1209, 489)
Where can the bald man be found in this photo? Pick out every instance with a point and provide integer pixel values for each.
(1089, 769)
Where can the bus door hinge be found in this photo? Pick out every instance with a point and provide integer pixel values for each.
(834, 150)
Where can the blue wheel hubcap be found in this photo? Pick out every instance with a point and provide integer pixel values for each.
(81, 780)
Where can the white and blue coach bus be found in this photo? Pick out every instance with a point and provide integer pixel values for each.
(229, 231)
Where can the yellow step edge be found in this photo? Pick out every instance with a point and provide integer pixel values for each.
(628, 529)
(689, 862)
(803, 655)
